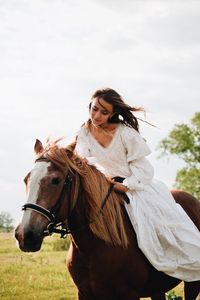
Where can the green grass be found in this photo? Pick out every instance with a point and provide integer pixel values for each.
(41, 275)
(36, 276)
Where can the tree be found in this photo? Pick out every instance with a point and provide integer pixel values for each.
(6, 221)
(184, 142)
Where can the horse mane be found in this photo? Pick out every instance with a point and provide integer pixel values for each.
(108, 225)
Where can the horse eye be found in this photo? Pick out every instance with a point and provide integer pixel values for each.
(55, 181)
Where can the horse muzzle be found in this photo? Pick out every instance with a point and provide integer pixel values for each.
(29, 240)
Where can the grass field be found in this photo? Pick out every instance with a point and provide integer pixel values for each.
(41, 275)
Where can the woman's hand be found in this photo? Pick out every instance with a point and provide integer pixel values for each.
(118, 187)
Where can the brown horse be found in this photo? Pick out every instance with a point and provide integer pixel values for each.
(104, 259)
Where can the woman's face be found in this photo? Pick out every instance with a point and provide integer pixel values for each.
(100, 112)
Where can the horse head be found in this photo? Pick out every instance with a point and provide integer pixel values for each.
(48, 186)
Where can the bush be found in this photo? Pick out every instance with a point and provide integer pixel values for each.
(60, 244)
(172, 296)
(6, 222)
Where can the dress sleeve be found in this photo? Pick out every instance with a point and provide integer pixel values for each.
(136, 149)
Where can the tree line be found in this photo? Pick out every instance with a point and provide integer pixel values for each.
(184, 142)
(6, 222)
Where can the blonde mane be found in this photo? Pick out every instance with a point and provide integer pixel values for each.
(108, 223)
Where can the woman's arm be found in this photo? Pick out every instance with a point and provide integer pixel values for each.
(142, 174)
(141, 170)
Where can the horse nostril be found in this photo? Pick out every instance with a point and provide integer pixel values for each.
(29, 235)
(32, 240)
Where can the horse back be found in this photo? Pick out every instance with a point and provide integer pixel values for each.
(190, 204)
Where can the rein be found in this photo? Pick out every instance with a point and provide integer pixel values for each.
(55, 226)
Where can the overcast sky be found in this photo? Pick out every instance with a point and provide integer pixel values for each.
(54, 54)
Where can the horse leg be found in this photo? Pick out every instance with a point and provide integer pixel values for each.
(159, 297)
(192, 290)
(82, 296)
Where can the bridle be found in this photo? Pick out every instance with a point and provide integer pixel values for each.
(56, 226)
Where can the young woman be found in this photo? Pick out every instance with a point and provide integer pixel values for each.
(110, 139)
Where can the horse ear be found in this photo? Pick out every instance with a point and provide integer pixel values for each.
(72, 146)
(70, 149)
(38, 147)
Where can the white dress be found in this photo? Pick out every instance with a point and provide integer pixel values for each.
(165, 234)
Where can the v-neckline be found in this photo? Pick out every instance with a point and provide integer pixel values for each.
(111, 142)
